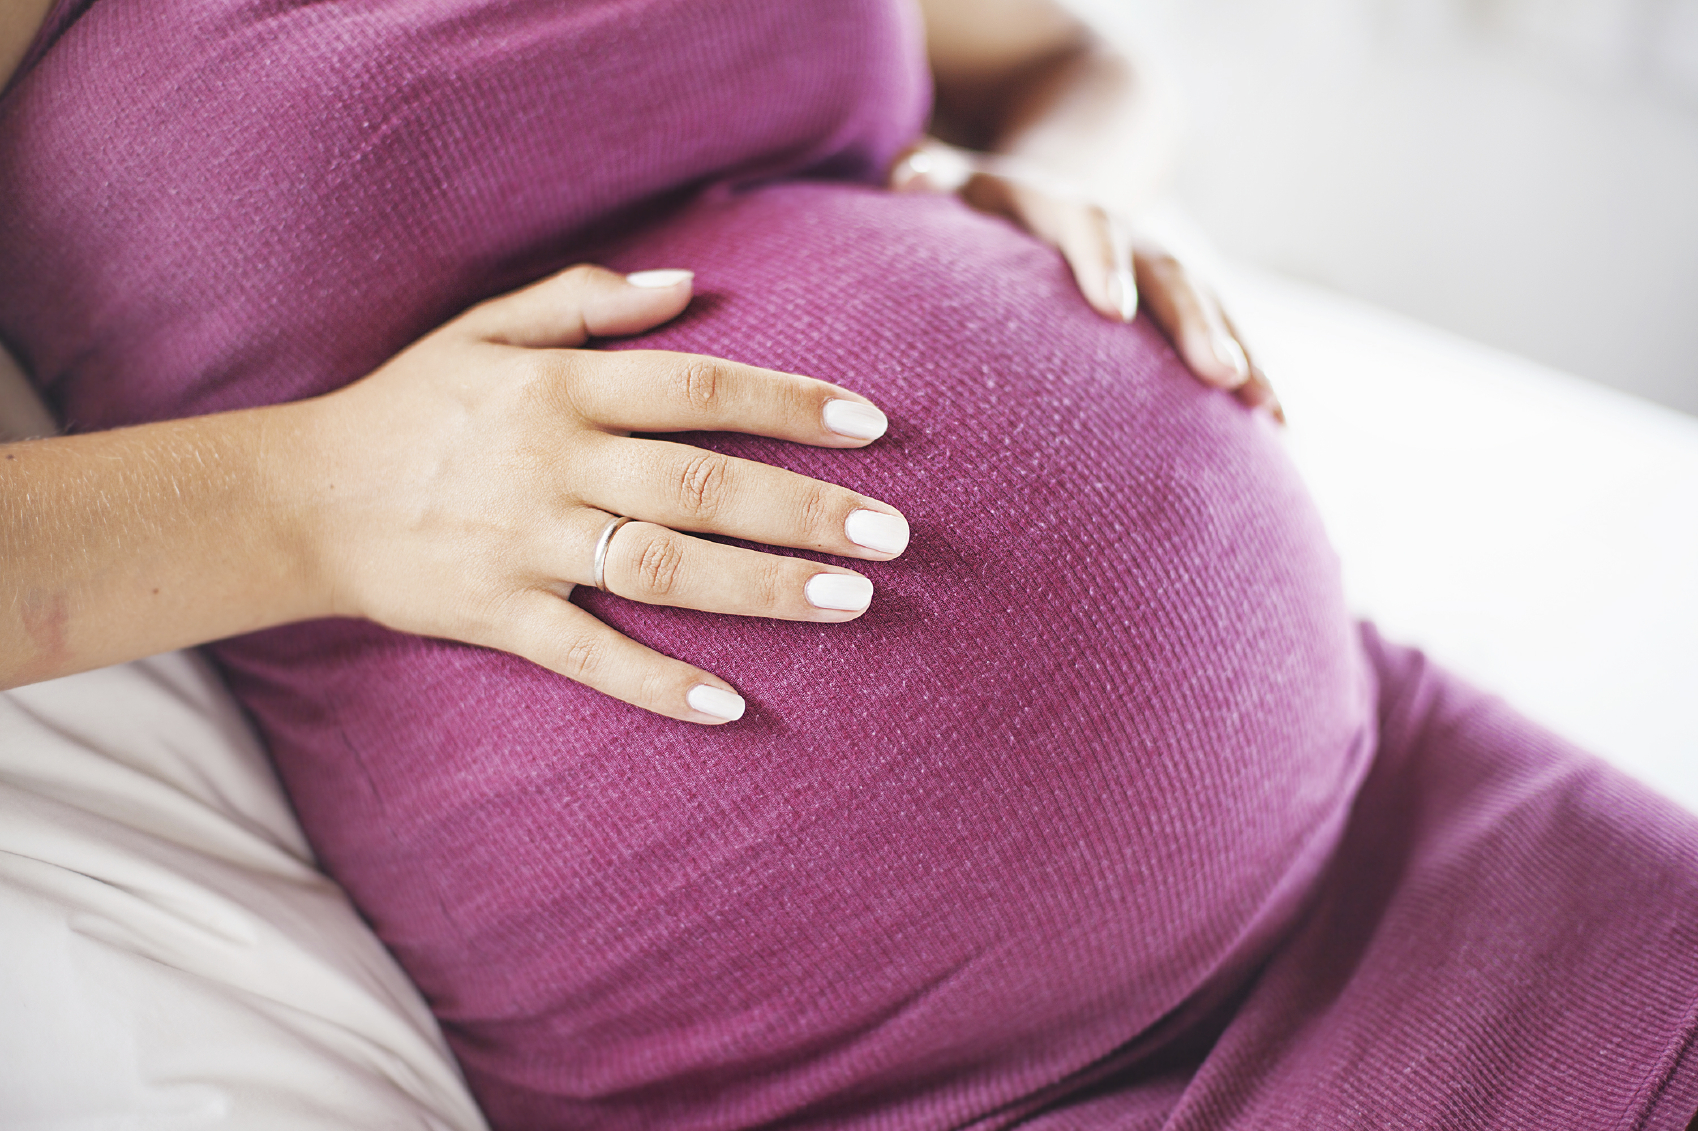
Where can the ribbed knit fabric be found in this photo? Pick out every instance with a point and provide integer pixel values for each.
(1104, 816)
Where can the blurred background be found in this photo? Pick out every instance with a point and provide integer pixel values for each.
(1377, 187)
(1521, 172)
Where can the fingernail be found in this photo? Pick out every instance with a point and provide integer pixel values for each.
(1230, 354)
(919, 163)
(886, 533)
(1123, 292)
(842, 591)
(654, 280)
(941, 170)
(716, 701)
(854, 419)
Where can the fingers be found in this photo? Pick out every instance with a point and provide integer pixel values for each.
(688, 488)
(658, 566)
(568, 308)
(1255, 392)
(1094, 244)
(654, 391)
(1100, 254)
(1112, 278)
(1192, 318)
(557, 634)
(1099, 250)
(655, 565)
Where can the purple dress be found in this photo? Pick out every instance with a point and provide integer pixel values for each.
(1106, 815)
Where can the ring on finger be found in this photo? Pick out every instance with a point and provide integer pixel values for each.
(599, 572)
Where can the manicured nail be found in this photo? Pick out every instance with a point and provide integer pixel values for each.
(654, 280)
(917, 164)
(854, 419)
(1260, 394)
(1230, 354)
(942, 170)
(886, 533)
(842, 591)
(716, 701)
(1123, 292)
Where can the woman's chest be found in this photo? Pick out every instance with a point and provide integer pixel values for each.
(245, 170)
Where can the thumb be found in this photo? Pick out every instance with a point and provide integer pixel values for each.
(1096, 245)
(567, 309)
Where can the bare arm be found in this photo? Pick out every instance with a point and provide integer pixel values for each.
(1025, 78)
(19, 21)
(121, 544)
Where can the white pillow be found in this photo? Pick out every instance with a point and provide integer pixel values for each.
(171, 958)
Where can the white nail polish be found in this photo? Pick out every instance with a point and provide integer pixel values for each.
(842, 591)
(853, 419)
(949, 170)
(654, 280)
(716, 701)
(1231, 354)
(1123, 292)
(886, 533)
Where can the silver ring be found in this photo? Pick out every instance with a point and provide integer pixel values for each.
(607, 533)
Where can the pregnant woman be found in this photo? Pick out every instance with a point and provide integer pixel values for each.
(1101, 814)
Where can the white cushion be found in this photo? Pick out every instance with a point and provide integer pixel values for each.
(171, 957)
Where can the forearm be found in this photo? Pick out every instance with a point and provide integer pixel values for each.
(1095, 119)
(121, 544)
(19, 21)
(1026, 79)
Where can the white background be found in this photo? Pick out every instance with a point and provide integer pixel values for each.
(1521, 172)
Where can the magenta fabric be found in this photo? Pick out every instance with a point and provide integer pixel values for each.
(1105, 815)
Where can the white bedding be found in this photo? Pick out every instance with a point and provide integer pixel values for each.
(171, 957)
(1531, 530)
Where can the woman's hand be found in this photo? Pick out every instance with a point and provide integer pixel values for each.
(1113, 269)
(460, 491)
(465, 485)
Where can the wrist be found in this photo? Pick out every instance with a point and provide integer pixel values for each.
(299, 484)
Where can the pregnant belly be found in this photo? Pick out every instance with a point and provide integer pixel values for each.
(1077, 767)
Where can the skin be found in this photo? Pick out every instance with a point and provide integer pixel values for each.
(1023, 80)
(469, 515)
(19, 20)
(504, 450)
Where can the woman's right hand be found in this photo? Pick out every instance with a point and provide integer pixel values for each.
(459, 491)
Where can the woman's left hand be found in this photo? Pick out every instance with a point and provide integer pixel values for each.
(1113, 269)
